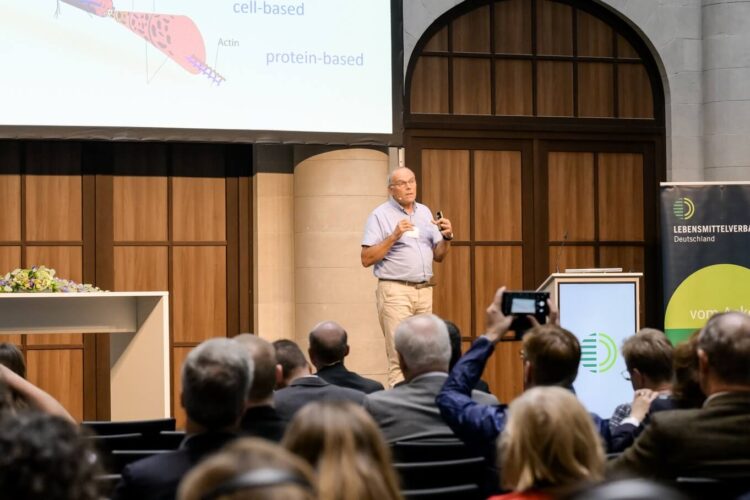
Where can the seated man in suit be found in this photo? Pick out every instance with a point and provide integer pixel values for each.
(261, 418)
(302, 387)
(216, 377)
(408, 411)
(551, 356)
(712, 441)
(328, 348)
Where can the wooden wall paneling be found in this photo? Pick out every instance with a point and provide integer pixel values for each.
(594, 37)
(554, 81)
(497, 195)
(68, 262)
(246, 258)
(53, 208)
(11, 338)
(513, 27)
(199, 290)
(495, 266)
(620, 197)
(60, 373)
(429, 86)
(635, 99)
(438, 42)
(139, 208)
(630, 259)
(554, 28)
(570, 257)
(199, 209)
(596, 90)
(178, 358)
(472, 88)
(10, 259)
(471, 32)
(571, 196)
(624, 49)
(10, 193)
(452, 296)
(141, 268)
(504, 372)
(513, 87)
(445, 186)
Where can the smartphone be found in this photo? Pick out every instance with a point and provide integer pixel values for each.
(439, 215)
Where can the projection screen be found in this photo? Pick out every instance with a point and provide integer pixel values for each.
(198, 69)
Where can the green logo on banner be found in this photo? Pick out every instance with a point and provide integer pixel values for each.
(598, 352)
(683, 208)
(712, 289)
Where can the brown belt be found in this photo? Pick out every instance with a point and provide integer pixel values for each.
(415, 284)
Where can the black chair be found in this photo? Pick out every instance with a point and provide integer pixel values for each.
(427, 450)
(463, 492)
(106, 484)
(165, 440)
(120, 458)
(145, 427)
(440, 474)
(715, 489)
(107, 443)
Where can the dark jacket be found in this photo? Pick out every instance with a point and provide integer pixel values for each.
(713, 441)
(157, 477)
(476, 424)
(263, 422)
(337, 374)
(308, 389)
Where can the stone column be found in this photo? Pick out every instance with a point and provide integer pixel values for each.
(333, 194)
(726, 64)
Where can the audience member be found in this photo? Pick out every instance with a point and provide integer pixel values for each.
(347, 450)
(408, 411)
(712, 441)
(261, 418)
(12, 357)
(250, 469)
(455, 335)
(27, 395)
(686, 387)
(216, 377)
(44, 457)
(549, 446)
(328, 348)
(303, 387)
(648, 360)
(551, 356)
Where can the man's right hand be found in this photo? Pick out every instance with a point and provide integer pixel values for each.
(497, 323)
(403, 226)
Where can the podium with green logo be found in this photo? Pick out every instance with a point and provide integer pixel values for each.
(602, 309)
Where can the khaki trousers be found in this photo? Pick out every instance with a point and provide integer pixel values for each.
(396, 302)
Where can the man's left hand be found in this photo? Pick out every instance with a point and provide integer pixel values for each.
(445, 227)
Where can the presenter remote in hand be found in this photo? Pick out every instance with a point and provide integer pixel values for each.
(401, 240)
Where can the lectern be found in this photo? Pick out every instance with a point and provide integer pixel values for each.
(138, 324)
(602, 310)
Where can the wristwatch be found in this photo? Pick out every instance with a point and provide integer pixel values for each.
(446, 238)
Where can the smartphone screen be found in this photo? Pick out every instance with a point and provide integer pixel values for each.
(522, 306)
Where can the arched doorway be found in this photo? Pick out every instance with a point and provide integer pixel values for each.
(537, 127)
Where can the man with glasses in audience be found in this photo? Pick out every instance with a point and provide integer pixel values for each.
(401, 239)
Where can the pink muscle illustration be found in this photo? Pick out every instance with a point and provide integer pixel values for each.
(99, 7)
(176, 36)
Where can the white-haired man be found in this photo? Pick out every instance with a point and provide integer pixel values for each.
(409, 410)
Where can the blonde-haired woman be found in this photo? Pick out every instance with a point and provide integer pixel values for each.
(549, 447)
(344, 445)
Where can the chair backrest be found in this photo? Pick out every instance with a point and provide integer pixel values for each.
(427, 450)
(166, 440)
(132, 441)
(717, 489)
(440, 474)
(120, 458)
(464, 492)
(107, 484)
(144, 427)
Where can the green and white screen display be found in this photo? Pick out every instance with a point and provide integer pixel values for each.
(602, 316)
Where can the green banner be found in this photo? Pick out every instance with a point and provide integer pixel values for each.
(705, 253)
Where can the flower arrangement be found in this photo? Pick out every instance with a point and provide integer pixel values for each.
(40, 279)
